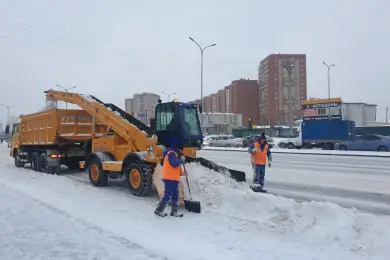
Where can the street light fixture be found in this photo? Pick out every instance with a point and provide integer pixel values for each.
(328, 66)
(169, 95)
(201, 75)
(66, 90)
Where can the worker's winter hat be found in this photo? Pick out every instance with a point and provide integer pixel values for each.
(262, 136)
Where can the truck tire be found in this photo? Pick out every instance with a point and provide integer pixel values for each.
(35, 161)
(342, 148)
(87, 148)
(18, 163)
(139, 178)
(43, 163)
(96, 174)
(382, 148)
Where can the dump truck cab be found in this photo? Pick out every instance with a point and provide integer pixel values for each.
(177, 122)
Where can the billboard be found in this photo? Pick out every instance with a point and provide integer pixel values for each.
(319, 109)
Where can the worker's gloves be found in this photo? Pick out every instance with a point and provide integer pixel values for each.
(183, 158)
(269, 164)
(185, 173)
(254, 150)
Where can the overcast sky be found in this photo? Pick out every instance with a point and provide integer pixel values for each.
(113, 49)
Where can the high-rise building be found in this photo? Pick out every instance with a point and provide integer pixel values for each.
(241, 97)
(129, 105)
(282, 88)
(221, 101)
(214, 103)
(142, 105)
(207, 104)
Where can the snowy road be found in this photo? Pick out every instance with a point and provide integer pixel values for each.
(358, 182)
(65, 217)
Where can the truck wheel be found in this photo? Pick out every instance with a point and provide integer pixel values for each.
(43, 163)
(382, 148)
(18, 163)
(35, 161)
(290, 146)
(342, 148)
(139, 178)
(97, 176)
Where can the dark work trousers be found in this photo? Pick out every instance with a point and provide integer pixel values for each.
(260, 174)
(171, 191)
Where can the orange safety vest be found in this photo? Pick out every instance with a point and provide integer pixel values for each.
(259, 157)
(169, 172)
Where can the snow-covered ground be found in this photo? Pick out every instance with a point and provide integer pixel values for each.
(65, 217)
(361, 182)
(306, 151)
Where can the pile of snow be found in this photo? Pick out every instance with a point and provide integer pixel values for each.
(306, 151)
(317, 224)
(88, 98)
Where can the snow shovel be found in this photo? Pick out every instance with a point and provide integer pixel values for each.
(191, 205)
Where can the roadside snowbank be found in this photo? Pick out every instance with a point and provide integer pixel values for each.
(306, 151)
(318, 224)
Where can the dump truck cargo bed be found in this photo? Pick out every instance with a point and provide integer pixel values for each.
(55, 126)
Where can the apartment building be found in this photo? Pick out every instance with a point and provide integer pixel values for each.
(240, 98)
(282, 83)
(142, 105)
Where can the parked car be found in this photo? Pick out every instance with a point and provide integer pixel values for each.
(248, 140)
(206, 140)
(225, 141)
(366, 143)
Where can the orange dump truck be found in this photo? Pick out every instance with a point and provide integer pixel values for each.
(52, 138)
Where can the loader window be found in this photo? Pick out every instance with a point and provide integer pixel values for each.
(191, 122)
(165, 118)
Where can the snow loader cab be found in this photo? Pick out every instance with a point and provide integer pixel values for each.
(177, 122)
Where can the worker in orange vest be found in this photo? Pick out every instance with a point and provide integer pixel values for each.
(171, 172)
(259, 151)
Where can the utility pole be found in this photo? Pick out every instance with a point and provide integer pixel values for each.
(168, 95)
(66, 90)
(328, 66)
(288, 65)
(8, 107)
(201, 76)
(387, 113)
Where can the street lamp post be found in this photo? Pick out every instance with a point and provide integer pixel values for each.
(328, 66)
(168, 95)
(7, 107)
(288, 65)
(201, 75)
(66, 90)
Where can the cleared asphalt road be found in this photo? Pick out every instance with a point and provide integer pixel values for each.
(363, 183)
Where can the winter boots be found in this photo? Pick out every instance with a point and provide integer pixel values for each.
(174, 212)
(160, 210)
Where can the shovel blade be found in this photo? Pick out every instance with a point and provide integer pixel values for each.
(192, 206)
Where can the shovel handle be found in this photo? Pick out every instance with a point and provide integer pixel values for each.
(188, 183)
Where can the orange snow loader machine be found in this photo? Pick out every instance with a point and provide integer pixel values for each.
(127, 149)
